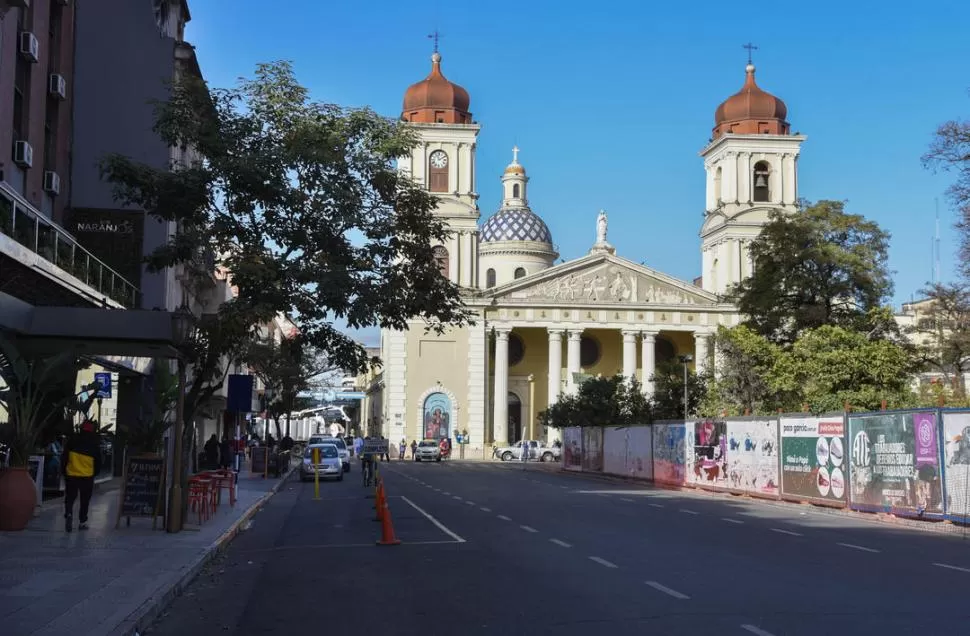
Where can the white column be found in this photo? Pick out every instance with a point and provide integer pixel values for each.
(629, 354)
(466, 260)
(572, 358)
(500, 411)
(555, 365)
(454, 254)
(649, 355)
(700, 352)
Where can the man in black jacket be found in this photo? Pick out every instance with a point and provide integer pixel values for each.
(81, 463)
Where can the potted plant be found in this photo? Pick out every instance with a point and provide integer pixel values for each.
(31, 394)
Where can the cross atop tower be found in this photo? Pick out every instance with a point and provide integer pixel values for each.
(749, 46)
(435, 35)
(515, 154)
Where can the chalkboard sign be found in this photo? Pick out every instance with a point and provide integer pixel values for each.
(259, 456)
(141, 492)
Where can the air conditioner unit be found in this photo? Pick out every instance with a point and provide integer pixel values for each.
(57, 86)
(52, 182)
(29, 46)
(23, 154)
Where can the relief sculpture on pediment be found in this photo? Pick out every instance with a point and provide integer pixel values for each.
(607, 285)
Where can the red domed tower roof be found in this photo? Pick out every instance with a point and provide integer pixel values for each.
(751, 111)
(435, 100)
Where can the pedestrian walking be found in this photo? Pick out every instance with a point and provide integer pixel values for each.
(402, 448)
(525, 451)
(81, 462)
(414, 448)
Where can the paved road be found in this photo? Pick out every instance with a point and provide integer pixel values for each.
(498, 549)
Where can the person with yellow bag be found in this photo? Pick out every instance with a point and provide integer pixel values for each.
(81, 462)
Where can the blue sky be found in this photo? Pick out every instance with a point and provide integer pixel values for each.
(611, 101)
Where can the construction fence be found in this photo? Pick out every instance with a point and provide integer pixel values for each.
(912, 463)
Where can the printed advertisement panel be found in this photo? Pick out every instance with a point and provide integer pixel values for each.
(752, 456)
(626, 451)
(669, 453)
(708, 454)
(593, 449)
(813, 463)
(895, 463)
(956, 451)
(572, 448)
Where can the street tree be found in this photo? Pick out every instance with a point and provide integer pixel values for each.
(830, 366)
(942, 332)
(600, 401)
(819, 266)
(744, 371)
(667, 402)
(950, 152)
(285, 368)
(300, 202)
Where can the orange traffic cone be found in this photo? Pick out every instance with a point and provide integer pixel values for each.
(380, 502)
(387, 529)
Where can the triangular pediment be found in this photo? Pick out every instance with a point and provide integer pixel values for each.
(602, 279)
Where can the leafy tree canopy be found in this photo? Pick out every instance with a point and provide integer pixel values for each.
(301, 202)
(600, 402)
(941, 331)
(744, 370)
(820, 266)
(667, 402)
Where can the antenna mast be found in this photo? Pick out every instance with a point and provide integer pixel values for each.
(936, 245)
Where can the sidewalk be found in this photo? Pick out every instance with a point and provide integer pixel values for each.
(104, 581)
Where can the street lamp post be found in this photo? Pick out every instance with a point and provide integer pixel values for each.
(685, 359)
(183, 323)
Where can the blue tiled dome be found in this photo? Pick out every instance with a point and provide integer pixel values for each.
(515, 224)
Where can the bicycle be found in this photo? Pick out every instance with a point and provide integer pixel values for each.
(367, 471)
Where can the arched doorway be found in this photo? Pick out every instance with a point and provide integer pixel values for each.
(515, 419)
(437, 416)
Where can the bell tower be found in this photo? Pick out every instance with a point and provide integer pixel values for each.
(443, 162)
(752, 169)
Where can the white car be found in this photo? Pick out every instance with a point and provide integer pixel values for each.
(329, 466)
(342, 449)
(428, 451)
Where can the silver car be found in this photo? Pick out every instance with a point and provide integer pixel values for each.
(329, 466)
(341, 445)
(427, 450)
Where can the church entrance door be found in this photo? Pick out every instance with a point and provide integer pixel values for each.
(515, 419)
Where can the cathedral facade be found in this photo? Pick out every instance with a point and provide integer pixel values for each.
(540, 326)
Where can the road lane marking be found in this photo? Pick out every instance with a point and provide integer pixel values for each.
(528, 528)
(456, 497)
(565, 487)
(624, 498)
(484, 509)
(560, 543)
(729, 520)
(756, 630)
(602, 562)
(788, 532)
(857, 547)
(690, 512)
(437, 523)
(667, 590)
(951, 567)
(470, 503)
(446, 493)
(504, 518)
(657, 505)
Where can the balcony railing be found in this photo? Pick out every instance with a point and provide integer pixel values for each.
(52, 243)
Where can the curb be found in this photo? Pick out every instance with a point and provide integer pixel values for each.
(943, 528)
(150, 610)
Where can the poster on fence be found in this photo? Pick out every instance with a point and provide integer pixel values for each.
(669, 453)
(572, 448)
(593, 449)
(813, 466)
(956, 451)
(895, 463)
(707, 465)
(752, 456)
(626, 451)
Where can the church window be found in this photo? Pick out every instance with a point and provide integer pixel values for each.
(717, 184)
(589, 352)
(516, 349)
(762, 173)
(440, 254)
(515, 190)
(490, 278)
(438, 171)
(519, 272)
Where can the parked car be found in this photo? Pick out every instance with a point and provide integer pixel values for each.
(329, 466)
(537, 451)
(428, 450)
